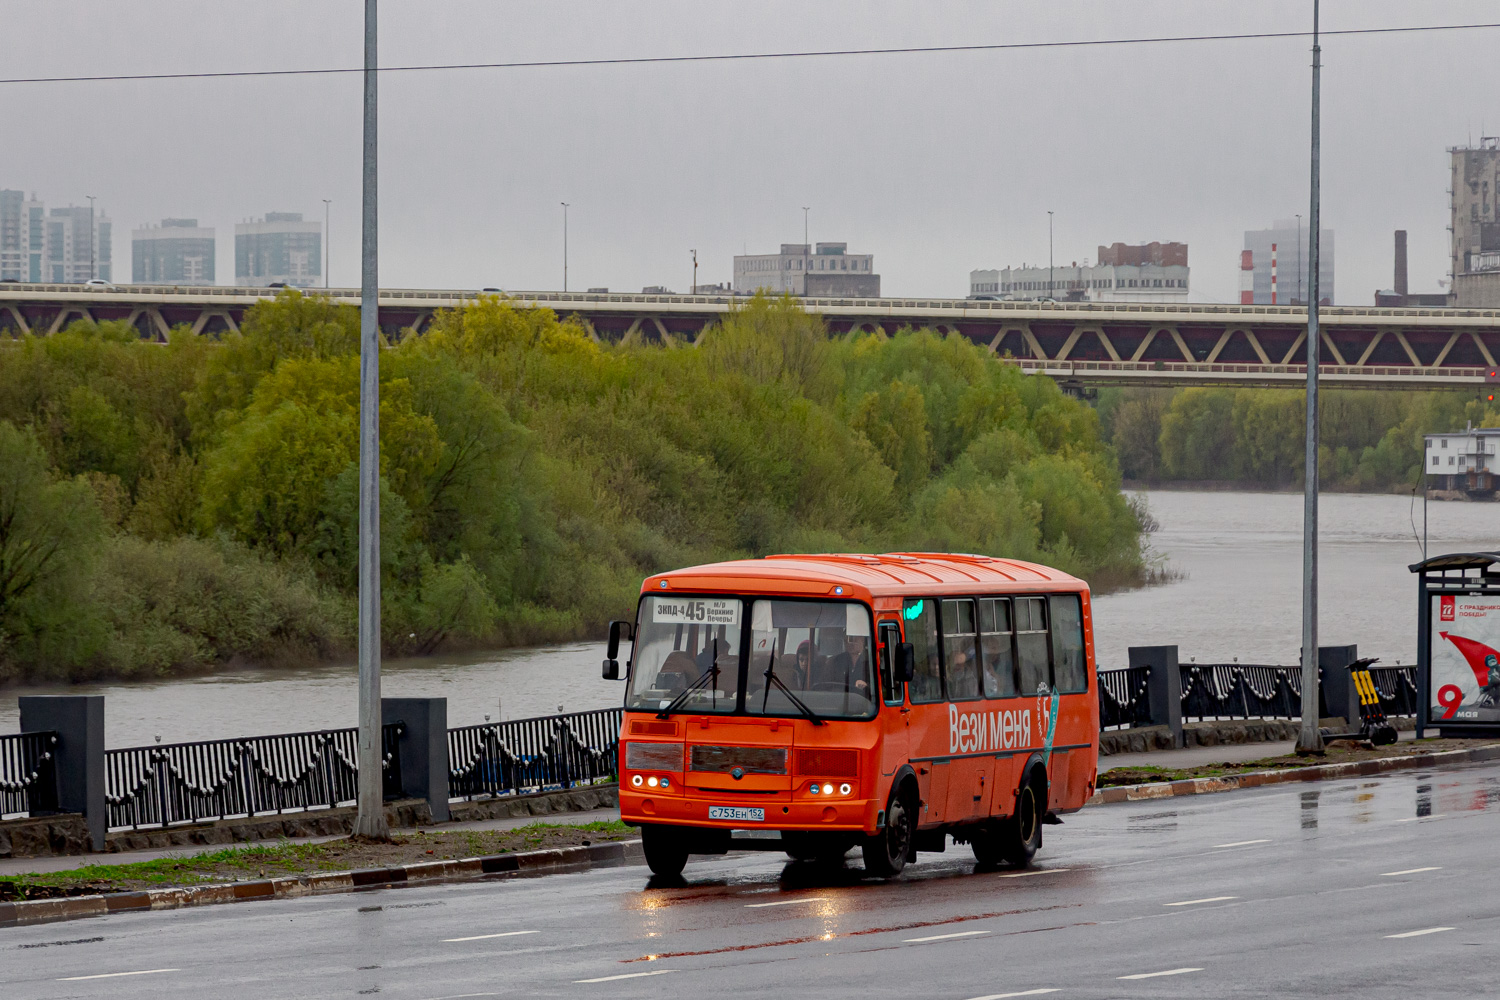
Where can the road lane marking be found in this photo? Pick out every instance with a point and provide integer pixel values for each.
(1425, 930)
(1413, 871)
(1027, 874)
(1243, 843)
(784, 902)
(1206, 899)
(1023, 993)
(1413, 819)
(627, 975)
(1153, 975)
(113, 975)
(486, 937)
(461, 996)
(944, 937)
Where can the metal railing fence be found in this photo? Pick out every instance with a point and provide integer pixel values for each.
(1397, 687)
(28, 774)
(217, 779)
(1240, 691)
(1124, 698)
(502, 758)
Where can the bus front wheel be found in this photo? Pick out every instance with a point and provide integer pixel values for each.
(666, 849)
(886, 852)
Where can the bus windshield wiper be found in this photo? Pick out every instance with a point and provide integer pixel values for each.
(772, 678)
(712, 673)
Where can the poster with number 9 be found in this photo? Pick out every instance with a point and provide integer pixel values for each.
(1465, 658)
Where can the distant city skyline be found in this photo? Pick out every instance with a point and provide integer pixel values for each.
(657, 159)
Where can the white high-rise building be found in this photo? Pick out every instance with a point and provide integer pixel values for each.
(23, 237)
(178, 252)
(1293, 259)
(279, 249)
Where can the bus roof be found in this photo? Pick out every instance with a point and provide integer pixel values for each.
(890, 574)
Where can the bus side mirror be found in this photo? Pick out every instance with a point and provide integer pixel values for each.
(906, 662)
(612, 650)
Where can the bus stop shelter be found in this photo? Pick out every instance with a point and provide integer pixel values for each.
(1458, 644)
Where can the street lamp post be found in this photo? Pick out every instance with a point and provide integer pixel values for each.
(806, 250)
(1309, 740)
(92, 275)
(327, 240)
(1299, 258)
(693, 288)
(565, 244)
(370, 819)
(1049, 255)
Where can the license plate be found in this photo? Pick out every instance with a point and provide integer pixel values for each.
(740, 813)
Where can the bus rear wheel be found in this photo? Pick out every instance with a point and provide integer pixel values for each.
(886, 852)
(1019, 835)
(666, 849)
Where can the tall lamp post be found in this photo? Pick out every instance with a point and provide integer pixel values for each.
(327, 240)
(1049, 255)
(1309, 740)
(92, 275)
(693, 288)
(370, 819)
(806, 250)
(565, 244)
(1299, 258)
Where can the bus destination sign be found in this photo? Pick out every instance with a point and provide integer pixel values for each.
(695, 611)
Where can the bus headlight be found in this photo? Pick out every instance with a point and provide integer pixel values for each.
(652, 781)
(827, 789)
(844, 789)
(636, 781)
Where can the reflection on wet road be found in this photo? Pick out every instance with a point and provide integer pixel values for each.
(1380, 887)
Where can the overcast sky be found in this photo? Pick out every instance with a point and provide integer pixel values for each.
(935, 163)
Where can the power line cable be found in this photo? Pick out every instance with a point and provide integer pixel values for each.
(747, 56)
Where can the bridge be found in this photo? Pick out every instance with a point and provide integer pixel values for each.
(1086, 343)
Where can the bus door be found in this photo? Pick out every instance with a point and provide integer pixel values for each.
(895, 745)
(930, 756)
(971, 772)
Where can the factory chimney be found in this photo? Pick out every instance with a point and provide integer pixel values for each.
(1400, 286)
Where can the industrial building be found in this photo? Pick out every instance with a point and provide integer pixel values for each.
(280, 249)
(1462, 461)
(1147, 272)
(1474, 188)
(1274, 266)
(826, 270)
(178, 252)
(56, 247)
(1397, 295)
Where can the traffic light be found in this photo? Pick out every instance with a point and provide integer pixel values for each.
(1492, 374)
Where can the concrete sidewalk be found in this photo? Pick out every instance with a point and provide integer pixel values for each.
(28, 866)
(1235, 753)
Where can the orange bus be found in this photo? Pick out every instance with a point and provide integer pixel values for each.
(880, 701)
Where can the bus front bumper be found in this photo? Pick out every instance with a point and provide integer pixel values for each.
(777, 812)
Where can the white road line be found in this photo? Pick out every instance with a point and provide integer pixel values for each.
(461, 996)
(1153, 975)
(1413, 819)
(1206, 899)
(944, 937)
(1413, 871)
(1023, 993)
(1425, 930)
(1036, 871)
(628, 975)
(486, 937)
(784, 902)
(1243, 843)
(112, 975)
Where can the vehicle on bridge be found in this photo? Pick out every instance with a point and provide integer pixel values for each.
(880, 701)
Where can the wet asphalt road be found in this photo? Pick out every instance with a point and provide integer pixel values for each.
(1381, 887)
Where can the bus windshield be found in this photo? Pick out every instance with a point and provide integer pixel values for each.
(679, 643)
(807, 658)
(821, 654)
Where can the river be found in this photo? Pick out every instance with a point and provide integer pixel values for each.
(1238, 595)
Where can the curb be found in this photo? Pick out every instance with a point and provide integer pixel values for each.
(1322, 772)
(548, 862)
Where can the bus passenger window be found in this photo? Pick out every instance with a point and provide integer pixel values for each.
(997, 665)
(1068, 663)
(922, 633)
(960, 658)
(1031, 643)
